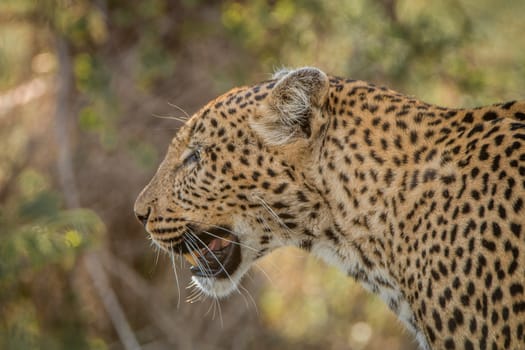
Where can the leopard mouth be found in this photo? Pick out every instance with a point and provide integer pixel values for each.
(214, 253)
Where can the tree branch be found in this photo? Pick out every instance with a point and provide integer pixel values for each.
(390, 9)
(156, 311)
(64, 115)
(110, 302)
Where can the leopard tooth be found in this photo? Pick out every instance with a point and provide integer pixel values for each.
(191, 259)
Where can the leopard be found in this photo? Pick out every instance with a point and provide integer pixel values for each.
(423, 205)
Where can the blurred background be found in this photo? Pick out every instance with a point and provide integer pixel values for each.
(87, 90)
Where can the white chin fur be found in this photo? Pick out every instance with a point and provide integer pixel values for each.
(221, 287)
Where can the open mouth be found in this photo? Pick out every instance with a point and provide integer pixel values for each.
(213, 253)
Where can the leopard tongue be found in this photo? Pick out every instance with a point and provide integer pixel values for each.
(215, 244)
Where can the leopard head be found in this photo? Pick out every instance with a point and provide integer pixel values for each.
(236, 182)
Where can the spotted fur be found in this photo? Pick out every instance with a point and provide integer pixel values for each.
(423, 205)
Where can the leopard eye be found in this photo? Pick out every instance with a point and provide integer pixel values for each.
(194, 157)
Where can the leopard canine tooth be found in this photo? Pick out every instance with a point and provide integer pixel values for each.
(191, 259)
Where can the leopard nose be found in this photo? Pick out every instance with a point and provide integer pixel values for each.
(143, 217)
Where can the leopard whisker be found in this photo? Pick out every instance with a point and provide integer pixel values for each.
(157, 255)
(223, 238)
(272, 213)
(220, 311)
(214, 256)
(212, 305)
(193, 250)
(267, 226)
(264, 222)
(265, 274)
(196, 294)
(196, 253)
(170, 117)
(251, 299)
(201, 268)
(172, 255)
(180, 109)
(215, 308)
(230, 241)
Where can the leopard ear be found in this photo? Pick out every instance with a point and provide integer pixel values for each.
(296, 98)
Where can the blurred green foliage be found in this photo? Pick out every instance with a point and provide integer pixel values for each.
(37, 234)
(452, 52)
(415, 45)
